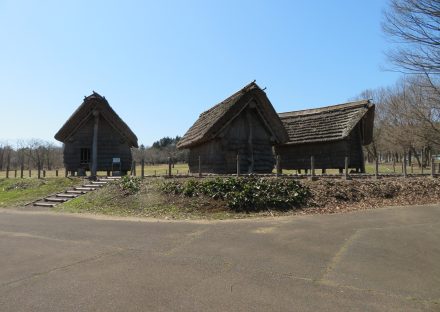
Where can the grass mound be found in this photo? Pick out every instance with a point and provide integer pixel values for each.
(16, 192)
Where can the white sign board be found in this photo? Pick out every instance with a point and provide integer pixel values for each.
(116, 160)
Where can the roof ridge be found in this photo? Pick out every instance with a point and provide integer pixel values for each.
(319, 110)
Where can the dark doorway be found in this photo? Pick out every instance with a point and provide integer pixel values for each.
(85, 156)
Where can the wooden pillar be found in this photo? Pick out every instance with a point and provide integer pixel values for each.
(238, 164)
(312, 168)
(56, 172)
(44, 173)
(404, 166)
(95, 144)
(15, 173)
(422, 159)
(323, 171)
(30, 173)
(7, 172)
(346, 162)
(394, 165)
(133, 168)
(21, 171)
(169, 166)
(376, 169)
(39, 172)
(142, 168)
(278, 165)
(432, 167)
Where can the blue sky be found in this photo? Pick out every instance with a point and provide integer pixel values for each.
(161, 63)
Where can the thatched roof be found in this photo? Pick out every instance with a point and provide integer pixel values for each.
(85, 111)
(213, 120)
(329, 123)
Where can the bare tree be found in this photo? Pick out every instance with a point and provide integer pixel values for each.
(414, 26)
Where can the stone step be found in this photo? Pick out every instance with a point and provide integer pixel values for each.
(44, 204)
(84, 189)
(56, 199)
(98, 182)
(64, 195)
(75, 192)
(92, 185)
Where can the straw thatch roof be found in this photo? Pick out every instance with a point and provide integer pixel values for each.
(329, 123)
(213, 120)
(85, 111)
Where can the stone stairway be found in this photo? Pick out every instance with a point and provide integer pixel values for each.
(53, 200)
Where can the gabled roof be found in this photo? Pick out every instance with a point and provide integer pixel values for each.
(329, 123)
(212, 121)
(85, 110)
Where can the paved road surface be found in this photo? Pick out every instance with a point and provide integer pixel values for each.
(377, 260)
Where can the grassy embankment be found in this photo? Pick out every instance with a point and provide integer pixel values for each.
(17, 192)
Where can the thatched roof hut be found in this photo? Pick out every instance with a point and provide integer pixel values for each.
(329, 134)
(94, 136)
(246, 124)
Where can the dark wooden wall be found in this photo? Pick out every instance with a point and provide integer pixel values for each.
(246, 135)
(328, 155)
(110, 144)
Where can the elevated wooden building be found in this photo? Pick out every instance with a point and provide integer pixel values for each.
(246, 124)
(95, 138)
(329, 134)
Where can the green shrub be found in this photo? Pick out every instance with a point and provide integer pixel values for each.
(243, 193)
(131, 185)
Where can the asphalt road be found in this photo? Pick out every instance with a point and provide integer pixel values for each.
(378, 260)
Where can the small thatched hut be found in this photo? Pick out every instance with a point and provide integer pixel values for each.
(329, 134)
(95, 138)
(244, 123)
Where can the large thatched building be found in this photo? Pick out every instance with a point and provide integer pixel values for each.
(245, 124)
(95, 138)
(329, 134)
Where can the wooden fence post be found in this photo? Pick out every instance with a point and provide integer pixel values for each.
(7, 172)
(15, 173)
(44, 173)
(376, 169)
(404, 166)
(346, 164)
(30, 173)
(238, 164)
(39, 172)
(133, 171)
(56, 173)
(278, 165)
(312, 168)
(432, 168)
(394, 165)
(169, 166)
(21, 171)
(142, 168)
(155, 172)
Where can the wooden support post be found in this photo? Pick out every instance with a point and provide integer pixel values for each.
(39, 172)
(30, 173)
(432, 168)
(56, 173)
(7, 172)
(155, 172)
(142, 168)
(422, 160)
(169, 166)
(278, 165)
(412, 168)
(21, 171)
(404, 167)
(376, 169)
(95, 144)
(323, 171)
(133, 168)
(312, 168)
(44, 173)
(238, 164)
(346, 175)
(394, 165)
(66, 173)
(15, 173)
(200, 167)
